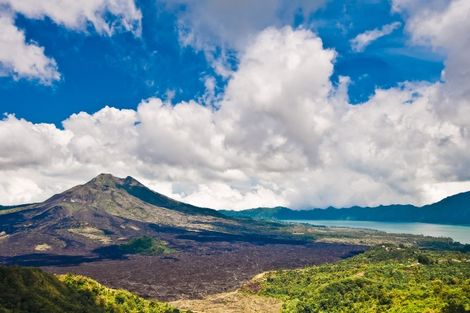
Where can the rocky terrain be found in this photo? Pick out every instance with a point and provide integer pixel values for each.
(83, 229)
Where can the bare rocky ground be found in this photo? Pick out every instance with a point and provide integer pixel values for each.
(201, 267)
(231, 302)
(204, 262)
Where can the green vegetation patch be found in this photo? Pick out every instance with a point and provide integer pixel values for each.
(114, 300)
(26, 290)
(384, 279)
(145, 245)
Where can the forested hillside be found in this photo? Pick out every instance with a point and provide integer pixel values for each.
(26, 290)
(384, 279)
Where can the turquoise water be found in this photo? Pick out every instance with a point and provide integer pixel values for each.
(456, 232)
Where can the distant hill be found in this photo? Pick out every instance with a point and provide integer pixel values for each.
(103, 211)
(451, 210)
(9, 207)
(26, 290)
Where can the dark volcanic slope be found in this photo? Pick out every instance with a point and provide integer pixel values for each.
(205, 262)
(205, 267)
(103, 211)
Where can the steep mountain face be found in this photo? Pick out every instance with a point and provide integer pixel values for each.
(455, 209)
(103, 211)
(120, 196)
(451, 210)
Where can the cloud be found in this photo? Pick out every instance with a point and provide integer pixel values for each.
(219, 27)
(361, 41)
(78, 15)
(281, 134)
(233, 24)
(442, 25)
(22, 59)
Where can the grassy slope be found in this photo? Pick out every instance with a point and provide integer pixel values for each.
(25, 290)
(384, 279)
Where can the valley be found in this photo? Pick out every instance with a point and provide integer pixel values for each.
(126, 236)
(195, 251)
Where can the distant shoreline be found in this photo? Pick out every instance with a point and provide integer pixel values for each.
(459, 233)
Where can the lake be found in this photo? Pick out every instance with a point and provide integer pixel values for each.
(456, 232)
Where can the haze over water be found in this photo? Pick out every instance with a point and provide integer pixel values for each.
(456, 232)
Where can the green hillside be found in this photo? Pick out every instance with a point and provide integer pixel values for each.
(384, 279)
(26, 290)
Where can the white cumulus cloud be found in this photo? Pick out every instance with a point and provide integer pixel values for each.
(282, 134)
(444, 26)
(361, 41)
(21, 58)
(24, 59)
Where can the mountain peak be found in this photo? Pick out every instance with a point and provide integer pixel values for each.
(106, 176)
(121, 196)
(109, 180)
(105, 179)
(131, 181)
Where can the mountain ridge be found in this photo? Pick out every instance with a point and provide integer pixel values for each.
(453, 210)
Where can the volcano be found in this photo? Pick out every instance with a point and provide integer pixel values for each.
(106, 210)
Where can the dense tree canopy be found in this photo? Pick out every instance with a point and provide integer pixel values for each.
(384, 279)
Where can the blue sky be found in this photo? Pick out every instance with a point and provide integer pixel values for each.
(98, 70)
(237, 104)
(122, 69)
